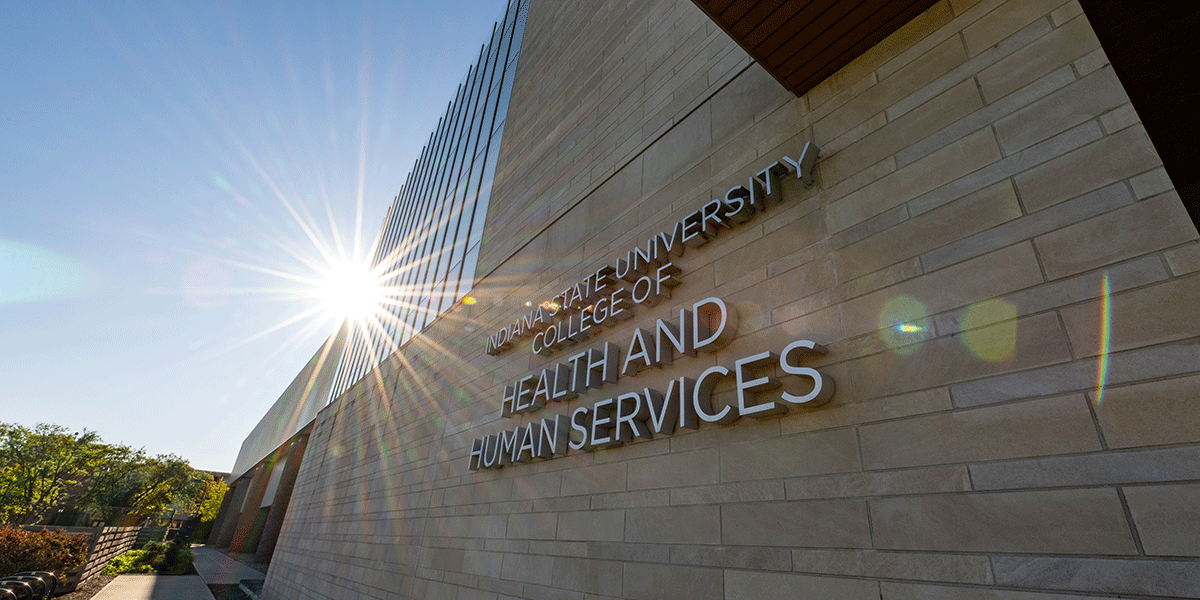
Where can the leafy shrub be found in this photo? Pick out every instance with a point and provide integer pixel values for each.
(175, 560)
(154, 557)
(130, 562)
(44, 550)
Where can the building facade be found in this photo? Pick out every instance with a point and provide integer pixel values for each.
(926, 330)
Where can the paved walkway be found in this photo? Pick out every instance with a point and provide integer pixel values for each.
(155, 587)
(213, 566)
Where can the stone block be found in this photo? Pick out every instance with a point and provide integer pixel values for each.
(910, 591)
(806, 454)
(1146, 414)
(1007, 167)
(869, 410)
(969, 215)
(1090, 62)
(1174, 579)
(1142, 317)
(1184, 260)
(904, 81)
(1031, 428)
(835, 151)
(678, 150)
(1066, 12)
(993, 274)
(1052, 219)
(443, 559)
(1099, 468)
(1100, 163)
(772, 559)
(589, 576)
(1149, 225)
(884, 138)
(1005, 20)
(799, 282)
(487, 526)
(470, 594)
(1028, 342)
(1119, 118)
(985, 116)
(1053, 50)
(667, 582)
(970, 68)
(1081, 101)
(939, 168)
(870, 227)
(596, 479)
(1123, 367)
(780, 586)
(886, 483)
(557, 548)
(1083, 521)
(484, 564)
(748, 252)
(539, 485)
(631, 499)
(745, 430)
(814, 524)
(539, 526)
(841, 86)
(674, 525)
(1152, 183)
(753, 92)
(538, 592)
(592, 525)
(747, 491)
(894, 565)
(1120, 277)
(1167, 518)
(629, 552)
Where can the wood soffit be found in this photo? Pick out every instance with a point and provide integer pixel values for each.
(801, 42)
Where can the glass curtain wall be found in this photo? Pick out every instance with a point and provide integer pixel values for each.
(430, 237)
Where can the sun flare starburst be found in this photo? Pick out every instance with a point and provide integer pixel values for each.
(348, 291)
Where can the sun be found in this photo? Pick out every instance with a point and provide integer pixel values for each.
(349, 291)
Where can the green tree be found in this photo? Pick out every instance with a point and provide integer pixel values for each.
(39, 466)
(209, 499)
(131, 483)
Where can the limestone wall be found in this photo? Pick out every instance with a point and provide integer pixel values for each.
(1000, 269)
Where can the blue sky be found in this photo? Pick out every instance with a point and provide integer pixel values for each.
(159, 164)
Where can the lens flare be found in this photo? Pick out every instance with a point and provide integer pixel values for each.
(349, 290)
(990, 330)
(30, 274)
(904, 324)
(1105, 335)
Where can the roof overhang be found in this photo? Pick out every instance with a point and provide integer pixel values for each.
(802, 42)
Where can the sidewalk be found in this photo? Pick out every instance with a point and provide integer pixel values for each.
(217, 567)
(155, 587)
(214, 568)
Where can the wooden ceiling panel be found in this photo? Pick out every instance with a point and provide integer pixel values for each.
(801, 42)
(788, 31)
(837, 38)
(719, 6)
(777, 19)
(757, 15)
(738, 10)
(829, 26)
(856, 47)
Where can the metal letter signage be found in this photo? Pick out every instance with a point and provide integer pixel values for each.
(647, 276)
